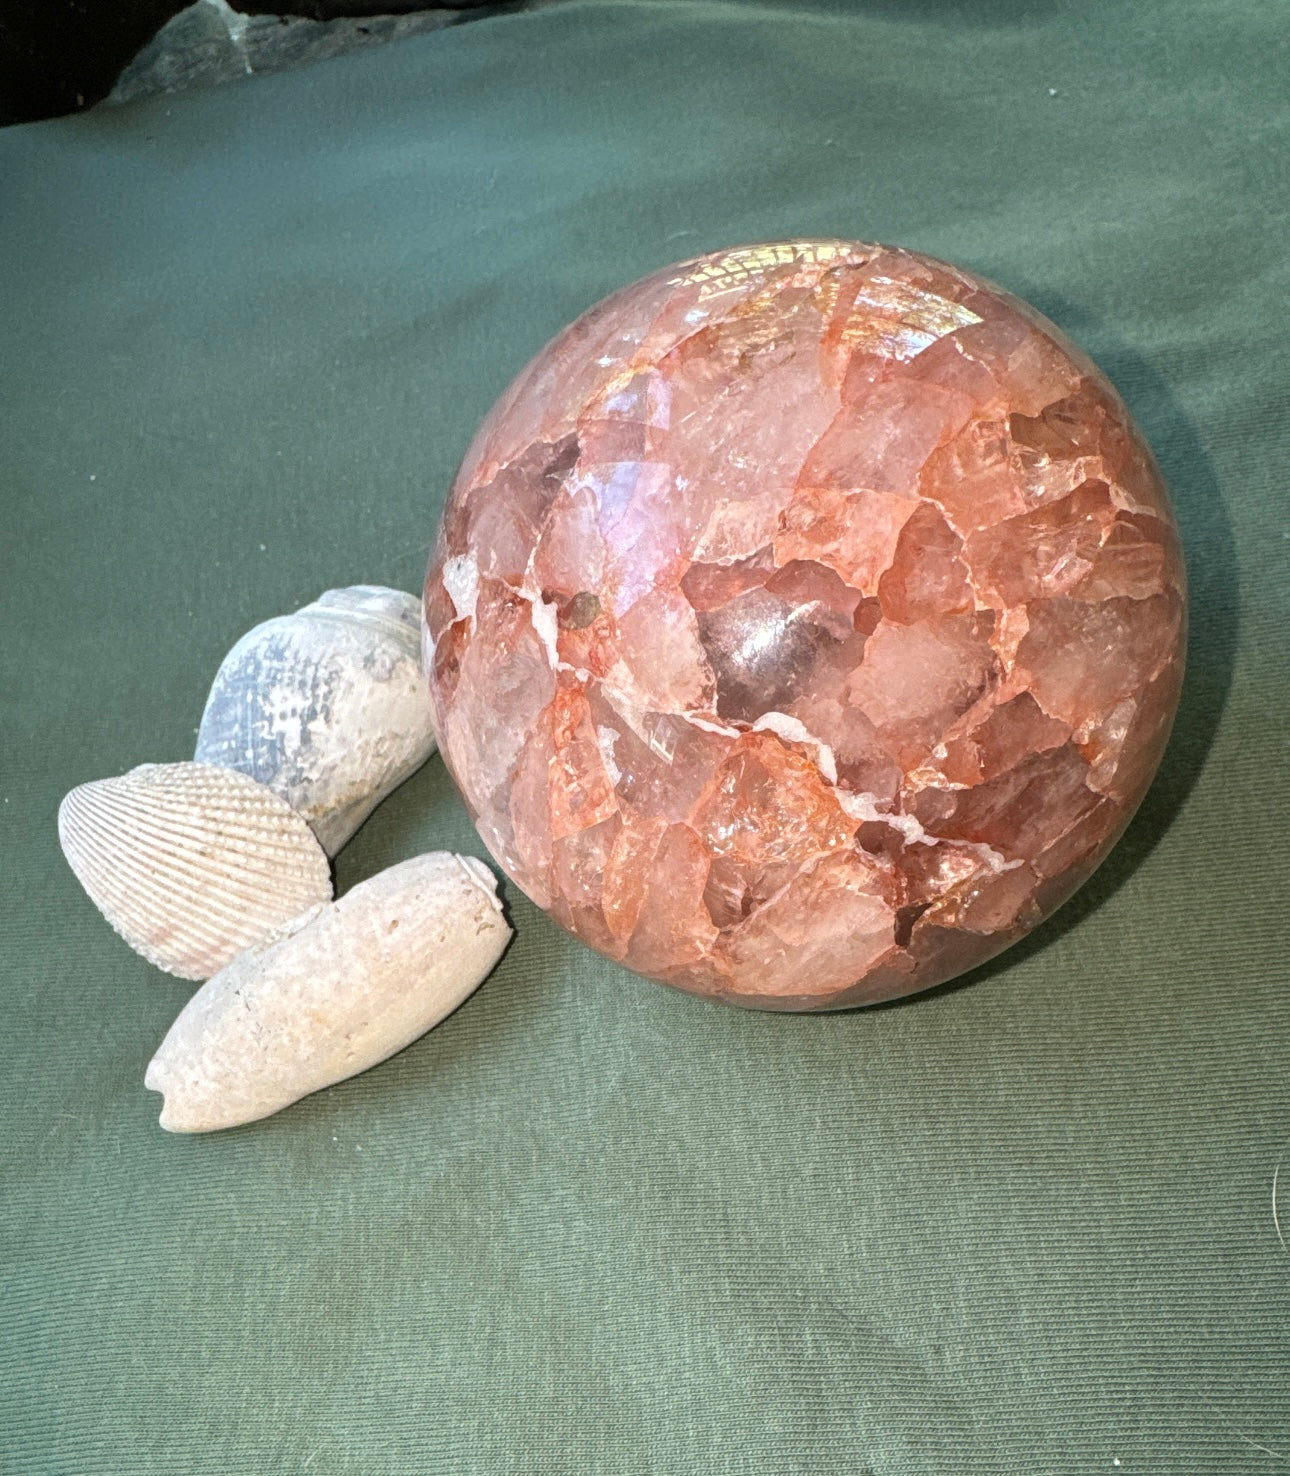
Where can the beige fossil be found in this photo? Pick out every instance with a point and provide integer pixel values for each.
(344, 987)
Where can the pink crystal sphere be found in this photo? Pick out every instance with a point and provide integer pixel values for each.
(805, 624)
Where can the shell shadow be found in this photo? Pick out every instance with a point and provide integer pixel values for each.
(1213, 624)
(423, 814)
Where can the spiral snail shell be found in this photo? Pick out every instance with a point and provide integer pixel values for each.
(327, 706)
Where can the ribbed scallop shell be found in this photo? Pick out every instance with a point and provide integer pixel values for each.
(191, 863)
(328, 706)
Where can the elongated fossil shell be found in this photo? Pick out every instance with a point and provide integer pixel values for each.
(327, 706)
(191, 864)
(344, 987)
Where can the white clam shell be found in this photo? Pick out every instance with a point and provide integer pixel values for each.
(327, 707)
(191, 864)
(346, 986)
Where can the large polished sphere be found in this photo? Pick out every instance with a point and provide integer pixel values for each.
(806, 622)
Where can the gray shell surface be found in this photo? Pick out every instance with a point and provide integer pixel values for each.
(327, 707)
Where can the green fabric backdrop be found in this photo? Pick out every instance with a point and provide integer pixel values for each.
(1022, 1225)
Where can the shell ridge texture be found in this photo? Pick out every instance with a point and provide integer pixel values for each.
(191, 863)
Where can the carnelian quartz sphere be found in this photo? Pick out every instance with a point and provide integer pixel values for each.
(805, 624)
